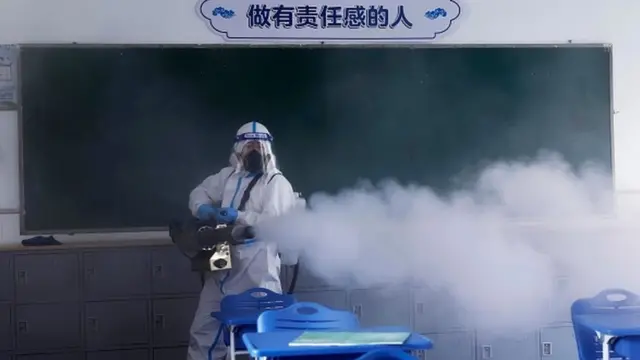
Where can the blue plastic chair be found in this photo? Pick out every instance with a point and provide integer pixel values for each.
(387, 354)
(589, 347)
(239, 314)
(307, 316)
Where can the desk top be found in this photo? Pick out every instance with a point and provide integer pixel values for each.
(611, 324)
(277, 344)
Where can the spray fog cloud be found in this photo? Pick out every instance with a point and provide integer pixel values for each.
(496, 247)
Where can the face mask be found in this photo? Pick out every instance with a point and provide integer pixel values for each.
(253, 162)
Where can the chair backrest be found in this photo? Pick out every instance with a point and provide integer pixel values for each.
(610, 301)
(306, 316)
(256, 299)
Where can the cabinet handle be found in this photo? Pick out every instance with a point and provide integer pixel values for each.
(158, 271)
(159, 321)
(547, 349)
(487, 353)
(23, 327)
(22, 277)
(92, 324)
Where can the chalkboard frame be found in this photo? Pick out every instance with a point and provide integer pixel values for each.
(18, 108)
(321, 44)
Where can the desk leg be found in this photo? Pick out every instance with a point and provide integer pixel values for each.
(232, 343)
(606, 340)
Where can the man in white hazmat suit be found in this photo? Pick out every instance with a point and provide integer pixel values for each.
(256, 264)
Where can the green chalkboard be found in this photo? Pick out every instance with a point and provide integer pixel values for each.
(115, 138)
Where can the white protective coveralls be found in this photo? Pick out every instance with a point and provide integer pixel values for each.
(253, 265)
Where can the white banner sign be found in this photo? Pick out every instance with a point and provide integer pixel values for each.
(299, 20)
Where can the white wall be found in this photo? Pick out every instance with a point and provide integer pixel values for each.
(482, 21)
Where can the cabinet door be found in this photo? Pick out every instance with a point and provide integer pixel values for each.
(435, 312)
(172, 319)
(382, 307)
(177, 353)
(450, 346)
(521, 347)
(6, 277)
(172, 273)
(6, 327)
(116, 324)
(116, 274)
(558, 343)
(47, 326)
(40, 278)
(133, 354)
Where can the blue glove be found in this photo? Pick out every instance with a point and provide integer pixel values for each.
(227, 215)
(206, 212)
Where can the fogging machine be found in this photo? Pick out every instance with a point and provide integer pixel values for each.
(208, 244)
